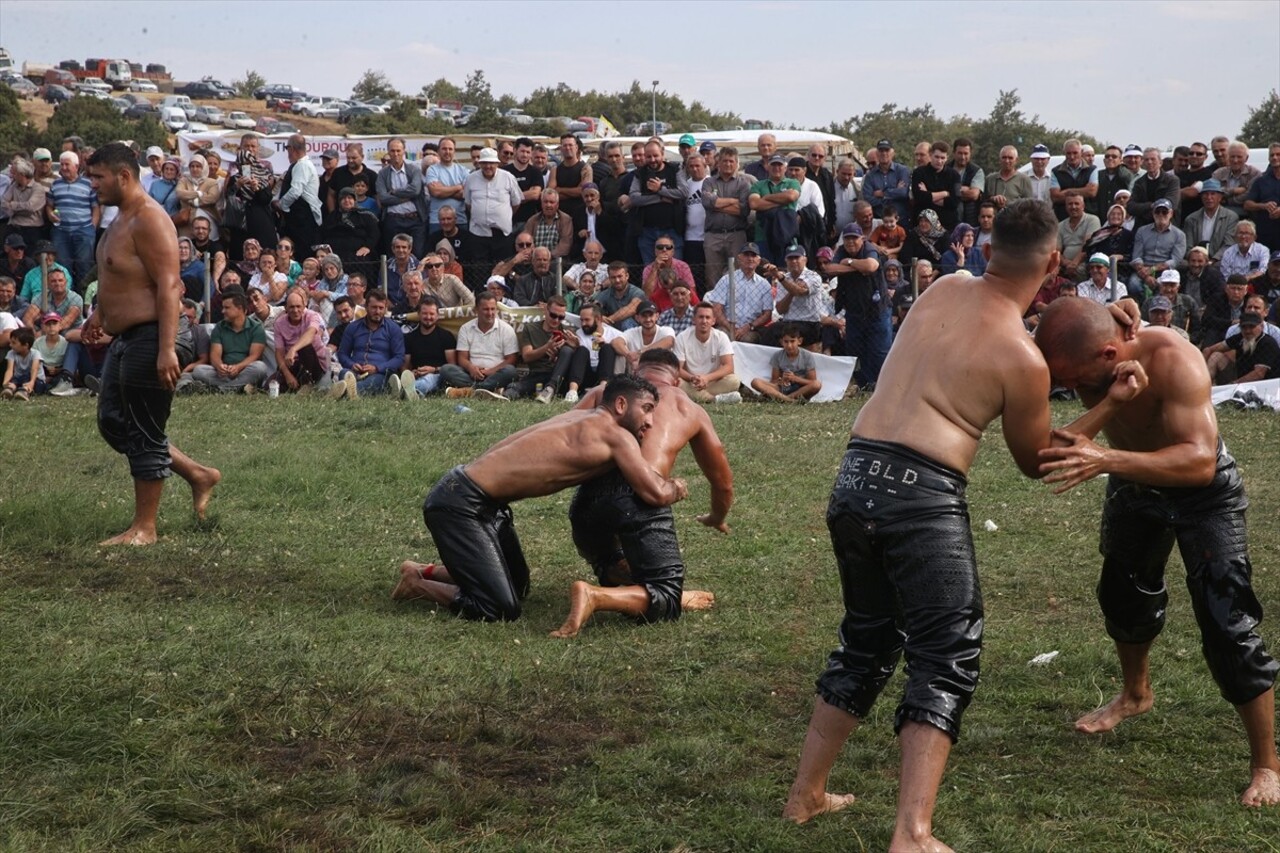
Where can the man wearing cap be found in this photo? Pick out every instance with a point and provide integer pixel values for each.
(72, 208)
(1156, 248)
(861, 293)
(1255, 355)
(155, 162)
(647, 334)
(775, 202)
(726, 200)
(1072, 177)
(1257, 303)
(888, 183)
(1097, 286)
(1223, 311)
(14, 263)
(1132, 160)
(23, 202)
(1262, 201)
(492, 194)
(1212, 225)
(32, 283)
(1184, 314)
(42, 160)
(328, 171)
(299, 200)
(801, 301)
(1201, 280)
(1007, 184)
(1041, 180)
(708, 151)
(1151, 186)
(688, 144)
(744, 316)
(766, 146)
(1159, 312)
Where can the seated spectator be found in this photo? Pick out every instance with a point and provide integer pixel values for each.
(1246, 257)
(593, 358)
(889, 237)
(250, 251)
(1257, 304)
(1074, 231)
(1183, 310)
(752, 308)
(1213, 225)
(679, 317)
(268, 281)
(191, 269)
(164, 189)
(801, 300)
(551, 228)
(405, 311)
(448, 290)
(592, 253)
(1098, 285)
(665, 259)
(372, 350)
(585, 291)
(236, 345)
(1159, 312)
(402, 261)
(963, 255)
(1114, 239)
(706, 360)
(1156, 248)
(1269, 285)
(451, 264)
(646, 335)
(285, 262)
(893, 279)
(11, 304)
(427, 348)
(192, 311)
(343, 314)
(332, 284)
(23, 370)
(202, 229)
(539, 284)
(1224, 310)
(63, 301)
(793, 373)
(928, 241)
(486, 355)
(1202, 281)
(52, 349)
(617, 303)
(301, 344)
(266, 314)
(500, 289)
(547, 350)
(31, 283)
(353, 233)
(1246, 356)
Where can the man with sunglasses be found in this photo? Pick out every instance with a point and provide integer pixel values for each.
(546, 348)
(1113, 176)
(816, 171)
(446, 288)
(1192, 178)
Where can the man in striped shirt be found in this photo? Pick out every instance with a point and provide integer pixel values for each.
(72, 206)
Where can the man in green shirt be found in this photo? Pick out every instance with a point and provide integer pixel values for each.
(236, 345)
(774, 201)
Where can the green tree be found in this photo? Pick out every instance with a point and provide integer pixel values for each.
(402, 118)
(252, 80)
(442, 90)
(372, 85)
(1009, 125)
(1263, 125)
(16, 133)
(97, 123)
(903, 126)
(476, 90)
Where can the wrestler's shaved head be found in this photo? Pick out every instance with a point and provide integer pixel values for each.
(1074, 330)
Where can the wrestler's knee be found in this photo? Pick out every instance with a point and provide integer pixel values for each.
(664, 601)
(1133, 613)
(113, 430)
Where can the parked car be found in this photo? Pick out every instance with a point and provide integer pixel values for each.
(140, 85)
(86, 91)
(134, 99)
(121, 104)
(205, 90)
(518, 116)
(196, 127)
(173, 118)
(239, 120)
(55, 94)
(143, 110)
(209, 115)
(182, 102)
(347, 113)
(279, 90)
(317, 107)
(286, 127)
(97, 84)
(21, 86)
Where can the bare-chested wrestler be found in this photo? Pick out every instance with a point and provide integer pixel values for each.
(139, 294)
(630, 544)
(483, 573)
(899, 524)
(1170, 478)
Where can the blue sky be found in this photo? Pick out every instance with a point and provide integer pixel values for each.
(1152, 73)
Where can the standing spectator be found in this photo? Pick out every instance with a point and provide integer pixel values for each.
(71, 205)
(197, 193)
(1008, 184)
(774, 201)
(444, 183)
(300, 196)
(164, 189)
(328, 171)
(23, 201)
(404, 208)
(1236, 177)
(656, 196)
(935, 186)
(821, 175)
(1041, 180)
(569, 175)
(972, 181)
(252, 183)
(1112, 176)
(528, 180)
(1151, 186)
(861, 294)
(610, 173)
(695, 215)
(887, 183)
(348, 174)
(844, 194)
(1072, 177)
(42, 160)
(725, 200)
(1262, 201)
(486, 355)
(766, 147)
(1193, 177)
(493, 195)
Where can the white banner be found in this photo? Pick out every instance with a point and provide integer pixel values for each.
(271, 148)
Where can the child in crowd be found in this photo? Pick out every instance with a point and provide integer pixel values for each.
(23, 370)
(794, 376)
(52, 349)
(889, 236)
(363, 199)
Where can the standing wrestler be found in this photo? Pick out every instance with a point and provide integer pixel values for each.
(139, 292)
(468, 511)
(1170, 478)
(899, 524)
(630, 544)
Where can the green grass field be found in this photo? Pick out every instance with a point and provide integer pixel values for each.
(247, 684)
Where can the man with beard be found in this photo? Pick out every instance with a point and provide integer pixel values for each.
(484, 575)
(427, 348)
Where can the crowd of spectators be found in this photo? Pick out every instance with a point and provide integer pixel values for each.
(336, 278)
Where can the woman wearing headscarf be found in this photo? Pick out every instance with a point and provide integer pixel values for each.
(963, 255)
(196, 192)
(164, 189)
(1114, 239)
(928, 240)
(250, 183)
(331, 285)
(451, 266)
(353, 235)
(190, 269)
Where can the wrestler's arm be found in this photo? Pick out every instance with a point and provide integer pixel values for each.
(1188, 460)
(650, 486)
(709, 453)
(160, 259)
(1025, 419)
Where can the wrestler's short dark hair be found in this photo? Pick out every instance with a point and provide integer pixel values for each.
(629, 386)
(660, 356)
(115, 156)
(1024, 232)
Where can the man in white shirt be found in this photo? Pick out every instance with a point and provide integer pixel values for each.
(486, 355)
(491, 195)
(1041, 180)
(810, 192)
(598, 345)
(646, 336)
(706, 360)
(300, 196)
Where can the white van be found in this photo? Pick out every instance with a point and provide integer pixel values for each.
(182, 102)
(173, 118)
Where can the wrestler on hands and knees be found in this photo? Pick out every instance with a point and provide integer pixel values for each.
(630, 543)
(898, 520)
(1169, 478)
(484, 574)
(139, 295)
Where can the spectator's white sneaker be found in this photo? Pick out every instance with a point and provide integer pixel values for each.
(407, 390)
(486, 394)
(546, 395)
(731, 397)
(394, 388)
(62, 389)
(349, 380)
(571, 397)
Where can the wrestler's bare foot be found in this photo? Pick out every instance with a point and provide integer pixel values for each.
(1264, 789)
(1119, 709)
(133, 536)
(202, 483)
(410, 585)
(581, 606)
(928, 844)
(801, 807)
(697, 599)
